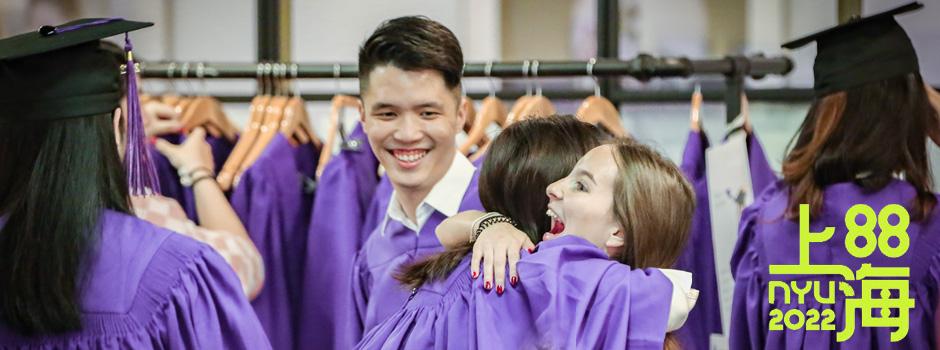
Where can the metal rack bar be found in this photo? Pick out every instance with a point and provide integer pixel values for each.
(643, 67)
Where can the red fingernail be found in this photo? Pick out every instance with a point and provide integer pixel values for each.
(153, 140)
(486, 286)
(513, 281)
(531, 250)
(499, 289)
(473, 274)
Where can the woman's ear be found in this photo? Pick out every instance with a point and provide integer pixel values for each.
(615, 244)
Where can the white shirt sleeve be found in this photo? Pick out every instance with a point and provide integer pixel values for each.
(683, 297)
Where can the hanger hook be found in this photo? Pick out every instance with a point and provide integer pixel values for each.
(259, 69)
(293, 73)
(268, 73)
(590, 73)
(488, 72)
(169, 76)
(535, 75)
(337, 69)
(525, 76)
(184, 75)
(201, 74)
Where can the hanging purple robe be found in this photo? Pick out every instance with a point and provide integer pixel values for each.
(376, 292)
(335, 236)
(149, 288)
(570, 296)
(169, 178)
(273, 199)
(767, 238)
(699, 254)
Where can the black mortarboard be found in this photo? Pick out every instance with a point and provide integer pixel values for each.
(861, 51)
(62, 72)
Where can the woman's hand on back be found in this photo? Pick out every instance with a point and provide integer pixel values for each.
(496, 247)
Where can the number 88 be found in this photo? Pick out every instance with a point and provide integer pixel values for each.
(866, 230)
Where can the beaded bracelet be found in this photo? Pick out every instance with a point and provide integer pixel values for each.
(487, 220)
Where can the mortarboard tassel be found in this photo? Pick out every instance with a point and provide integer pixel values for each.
(141, 175)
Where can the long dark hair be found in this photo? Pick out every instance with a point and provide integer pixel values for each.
(522, 161)
(57, 178)
(864, 135)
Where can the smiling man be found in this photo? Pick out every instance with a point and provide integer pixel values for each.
(410, 70)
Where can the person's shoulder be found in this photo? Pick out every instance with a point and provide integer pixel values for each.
(136, 259)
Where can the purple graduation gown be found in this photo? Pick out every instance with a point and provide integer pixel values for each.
(335, 236)
(766, 237)
(273, 200)
(169, 178)
(377, 295)
(149, 288)
(699, 254)
(570, 296)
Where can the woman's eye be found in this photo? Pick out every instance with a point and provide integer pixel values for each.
(429, 114)
(580, 186)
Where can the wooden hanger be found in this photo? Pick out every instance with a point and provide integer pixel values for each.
(538, 105)
(598, 110)
(492, 110)
(521, 102)
(695, 120)
(257, 113)
(270, 127)
(470, 111)
(296, 125)
(746, 114)
(207, 112)
(336, 109)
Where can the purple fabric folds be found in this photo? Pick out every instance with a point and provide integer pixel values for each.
(699, 254)
(273, 199)
(570, 296)
(149, 288)
(767, 238)
(334, 237)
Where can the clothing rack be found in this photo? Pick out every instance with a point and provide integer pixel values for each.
(643, 67)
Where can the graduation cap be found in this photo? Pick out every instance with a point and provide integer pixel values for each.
(62, 72)
(861, 51)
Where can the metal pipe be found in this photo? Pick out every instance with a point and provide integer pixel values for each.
(642, 67)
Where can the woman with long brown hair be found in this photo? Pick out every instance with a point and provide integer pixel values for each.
(863, 142)
(603, 207)
(77, 269)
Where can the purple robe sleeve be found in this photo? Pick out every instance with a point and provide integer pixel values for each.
(576, 298)
(272, 202)
(698, 256)
(208, 310)
(347, 186)
(361, 282)
(748, 308)
(762, 175)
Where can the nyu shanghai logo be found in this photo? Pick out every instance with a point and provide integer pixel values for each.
(884, 290)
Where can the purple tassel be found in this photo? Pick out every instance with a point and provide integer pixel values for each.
(141, 175)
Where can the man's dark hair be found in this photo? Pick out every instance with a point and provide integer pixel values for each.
(412, 43)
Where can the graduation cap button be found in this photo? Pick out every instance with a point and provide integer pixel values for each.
(47, 30)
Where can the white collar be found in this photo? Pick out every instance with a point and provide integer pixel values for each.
(445, 197)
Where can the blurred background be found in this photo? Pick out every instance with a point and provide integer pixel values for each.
(655, 111)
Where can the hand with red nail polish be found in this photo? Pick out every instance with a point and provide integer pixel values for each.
(499, 290)
(487, 285)
(513, 281)
(474, 274)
